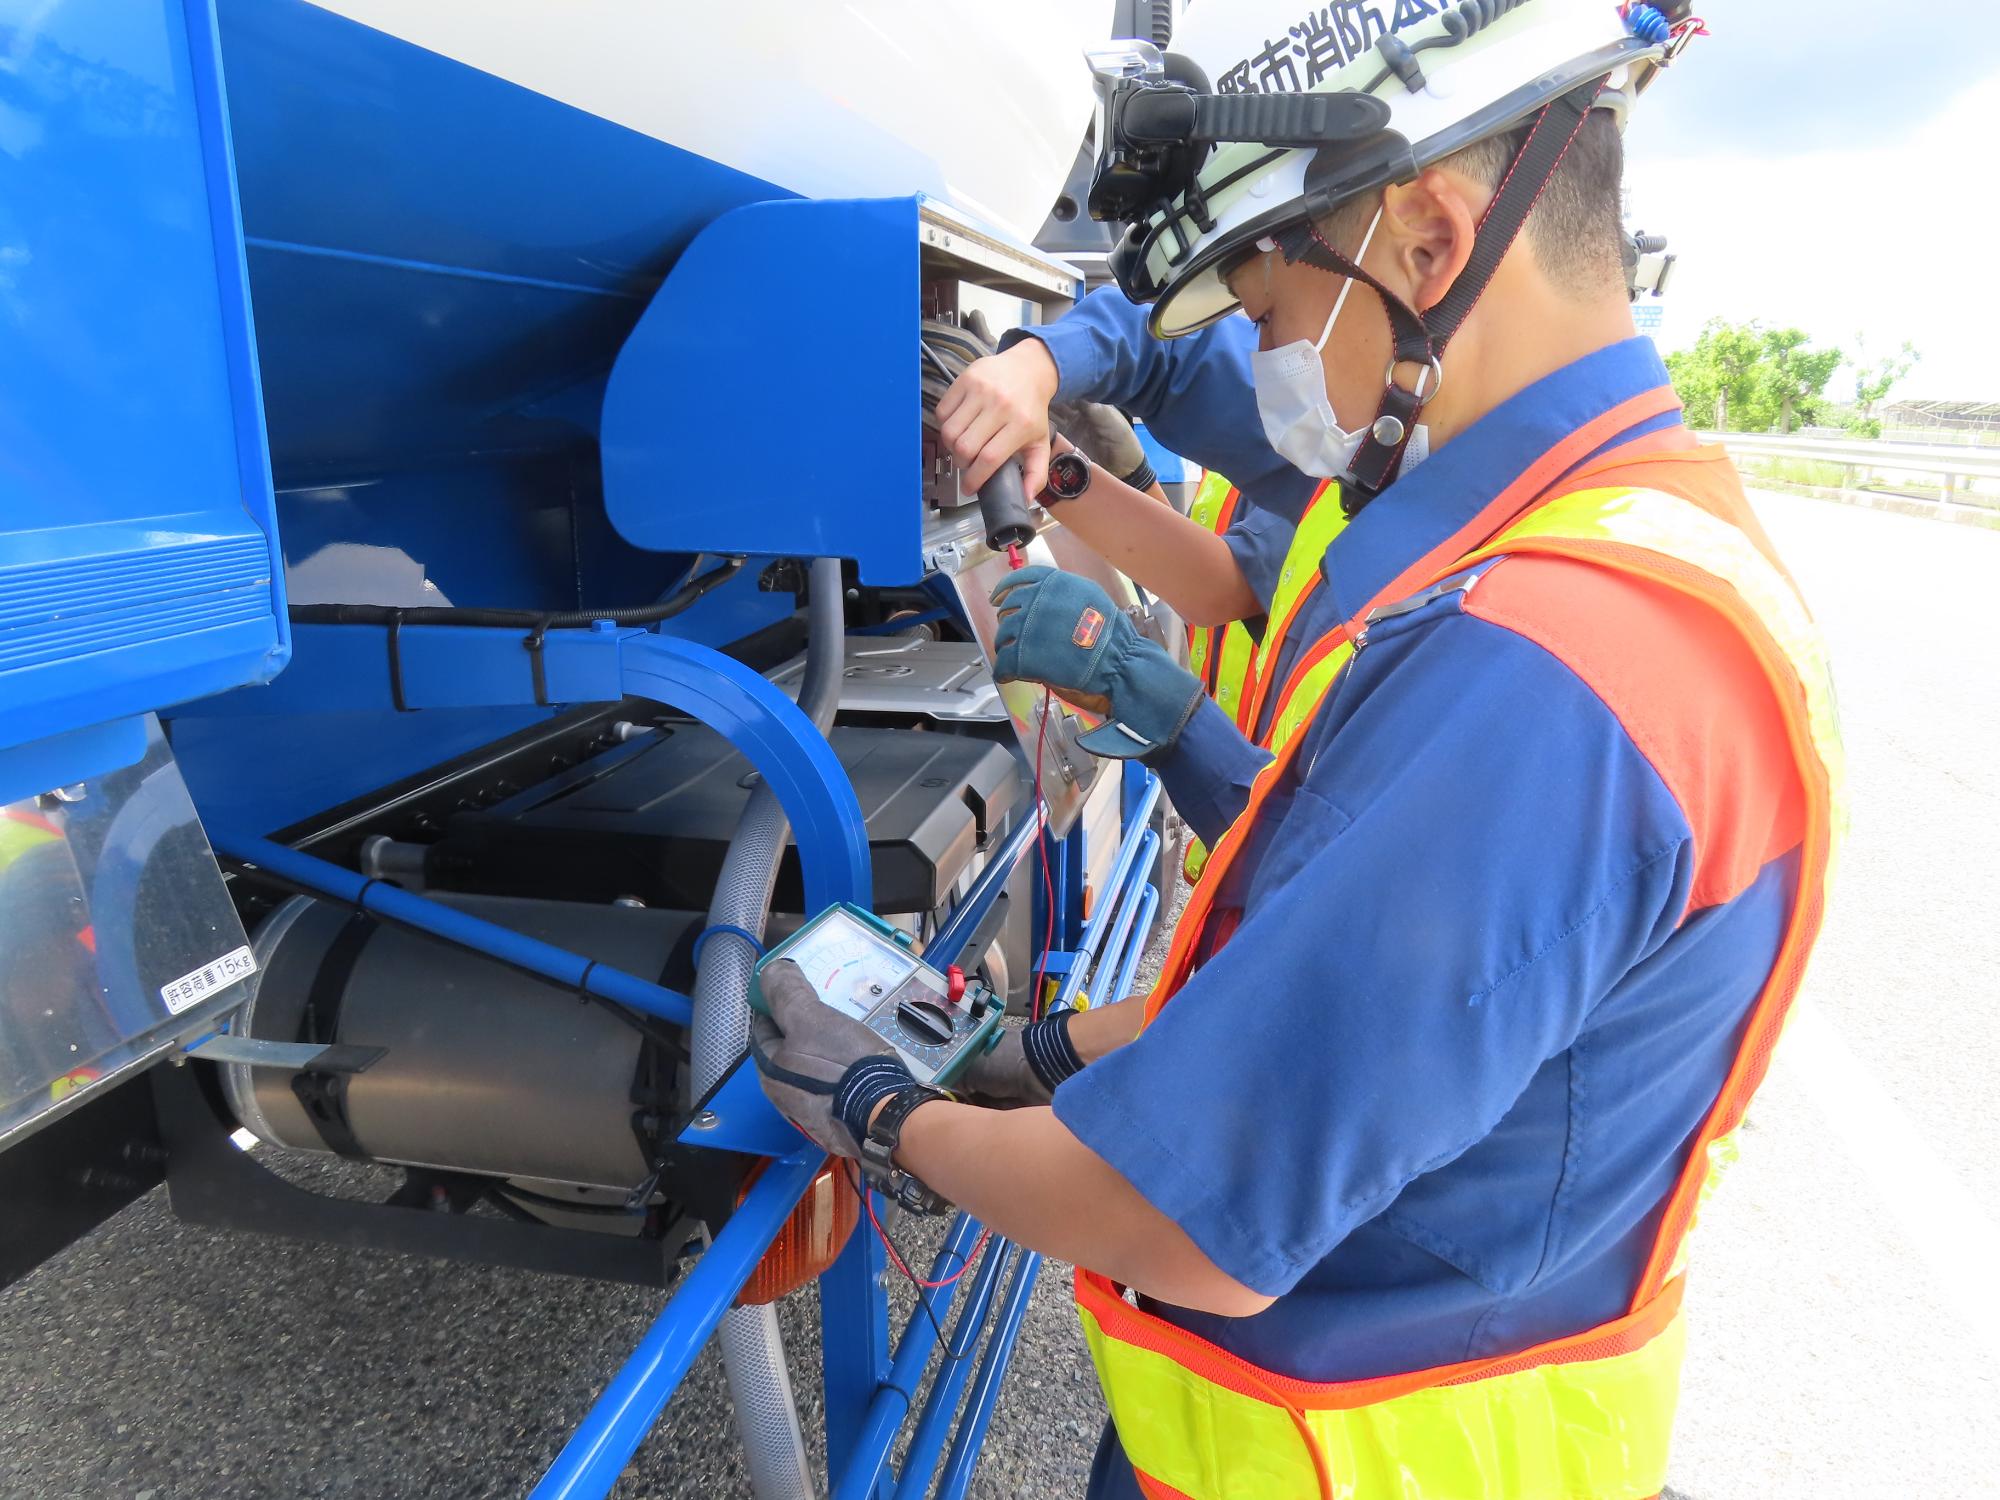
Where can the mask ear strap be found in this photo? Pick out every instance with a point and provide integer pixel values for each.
(1347, 283)
(1420, 340)
(1376, 460)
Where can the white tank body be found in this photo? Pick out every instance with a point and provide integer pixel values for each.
(980, 103)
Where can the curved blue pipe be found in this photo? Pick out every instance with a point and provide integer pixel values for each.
(778, 739)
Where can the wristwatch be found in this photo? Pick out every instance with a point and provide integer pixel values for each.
(879, 1149)
(1069, 476)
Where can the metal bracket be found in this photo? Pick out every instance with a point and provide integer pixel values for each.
(293, 1057)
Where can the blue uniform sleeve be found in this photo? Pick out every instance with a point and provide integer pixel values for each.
(1195, 393)
(1259, 540)
(1207, 771)
(1475, 855)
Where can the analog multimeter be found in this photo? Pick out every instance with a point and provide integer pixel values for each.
(863, 967)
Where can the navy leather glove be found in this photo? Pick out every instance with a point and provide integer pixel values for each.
(1064, 630)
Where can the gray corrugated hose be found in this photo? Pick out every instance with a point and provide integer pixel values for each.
(753, 1351)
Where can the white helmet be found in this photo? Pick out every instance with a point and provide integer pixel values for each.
(1310, 110)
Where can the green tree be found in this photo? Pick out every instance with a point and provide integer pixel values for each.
(1874, 378)
(1748, 378)
(1793, 377)
(1717, 378)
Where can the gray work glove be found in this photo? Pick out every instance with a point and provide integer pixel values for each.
(1023, 1067)
(1106, 438)
(824, 1071)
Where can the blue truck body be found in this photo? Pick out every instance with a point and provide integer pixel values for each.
(295, 313)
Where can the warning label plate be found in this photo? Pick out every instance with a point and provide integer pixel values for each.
(191, 989)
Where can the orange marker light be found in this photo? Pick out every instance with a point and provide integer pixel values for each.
(811, 1240)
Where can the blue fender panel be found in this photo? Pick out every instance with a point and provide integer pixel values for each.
(138, 554)
(443, 261)
(740, 418)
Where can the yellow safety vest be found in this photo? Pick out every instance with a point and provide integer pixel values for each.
(22, 830)
(1589, 1416)
(1219, 655)
(1239, 689)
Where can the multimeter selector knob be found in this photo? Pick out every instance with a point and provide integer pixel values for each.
(925, 1021)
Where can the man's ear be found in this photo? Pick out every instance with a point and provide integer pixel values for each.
(1432, 222)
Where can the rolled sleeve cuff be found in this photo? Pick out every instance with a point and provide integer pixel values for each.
(1073, 348)
(1207, 771)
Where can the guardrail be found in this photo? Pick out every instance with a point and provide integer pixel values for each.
(1860, 456)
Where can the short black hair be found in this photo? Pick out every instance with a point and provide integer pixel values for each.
(1576, 229)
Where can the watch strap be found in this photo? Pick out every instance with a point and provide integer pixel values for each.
(878, 1151)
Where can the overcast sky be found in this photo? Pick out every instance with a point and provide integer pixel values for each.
(1836, 166)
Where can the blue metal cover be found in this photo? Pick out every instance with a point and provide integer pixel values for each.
(739, 418)
(138, 552)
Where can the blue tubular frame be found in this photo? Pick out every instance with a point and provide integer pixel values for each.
(864, 1474)
(1149, 903)
(942, 1403)
(892, 1400)
(1139, 813)
(448, 666)
(868, 1394)
(971, 1435)
(1123, 924)
(946, 947)
(393, 904)
(612, 1430)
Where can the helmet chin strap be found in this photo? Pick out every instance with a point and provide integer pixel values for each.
(1419, 339)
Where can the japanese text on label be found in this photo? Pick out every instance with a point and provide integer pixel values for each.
(1326, 40)
(191, 989)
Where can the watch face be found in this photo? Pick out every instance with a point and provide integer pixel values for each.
(1069, 475)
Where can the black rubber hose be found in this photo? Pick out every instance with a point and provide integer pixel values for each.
(675, 603)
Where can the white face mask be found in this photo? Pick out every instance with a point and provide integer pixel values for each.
(1291, 398)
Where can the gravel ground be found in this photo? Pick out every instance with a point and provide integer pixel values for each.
(1844, 1342)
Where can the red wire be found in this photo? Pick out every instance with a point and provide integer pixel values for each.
(1048, 878)
(978, 1248)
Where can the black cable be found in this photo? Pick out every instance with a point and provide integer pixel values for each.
(902, 1264)
(678, 602)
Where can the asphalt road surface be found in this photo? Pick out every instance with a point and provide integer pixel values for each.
(1845, 1323)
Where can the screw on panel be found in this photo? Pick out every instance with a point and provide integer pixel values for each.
(707, 1119)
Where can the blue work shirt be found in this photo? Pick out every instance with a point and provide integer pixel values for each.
(1433, 1091)
(1196, 395)
(1208, 773)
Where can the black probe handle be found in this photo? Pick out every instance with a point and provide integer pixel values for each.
(1003, 504)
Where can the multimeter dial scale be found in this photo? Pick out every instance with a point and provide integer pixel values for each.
(863, 967)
